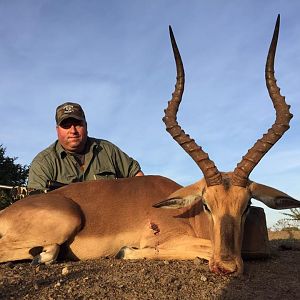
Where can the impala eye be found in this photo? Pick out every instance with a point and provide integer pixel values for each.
(205, 207)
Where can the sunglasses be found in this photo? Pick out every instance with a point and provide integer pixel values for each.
(68, 123)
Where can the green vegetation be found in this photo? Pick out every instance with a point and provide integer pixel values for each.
(11, 174)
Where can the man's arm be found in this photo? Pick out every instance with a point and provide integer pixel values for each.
(39, 174)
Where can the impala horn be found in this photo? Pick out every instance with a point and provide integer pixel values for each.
(207, 166)
(281, 125)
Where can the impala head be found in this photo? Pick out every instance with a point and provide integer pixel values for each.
(226, 197)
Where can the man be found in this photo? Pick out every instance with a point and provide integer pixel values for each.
(77, 157)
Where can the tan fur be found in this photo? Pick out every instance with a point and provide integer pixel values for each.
(37, 221)
(105, 217)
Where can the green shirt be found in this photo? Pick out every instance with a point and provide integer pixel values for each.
(102, 159)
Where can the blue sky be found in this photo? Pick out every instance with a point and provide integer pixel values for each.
(115, 59)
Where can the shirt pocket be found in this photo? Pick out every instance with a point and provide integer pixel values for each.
(105, 174)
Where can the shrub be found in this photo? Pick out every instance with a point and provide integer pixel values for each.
(11, 174)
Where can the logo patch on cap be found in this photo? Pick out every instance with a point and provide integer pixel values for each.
(68, 109)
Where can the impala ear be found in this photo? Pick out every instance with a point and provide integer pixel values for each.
(174, 203)
(271, 197)
(183, 197)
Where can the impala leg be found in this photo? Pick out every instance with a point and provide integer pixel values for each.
(34, 227)
(47, 256)
(17, 254)
(183, 248)
(39, 254)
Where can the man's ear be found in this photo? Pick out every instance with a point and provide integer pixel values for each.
(271, 197)
(183, 197)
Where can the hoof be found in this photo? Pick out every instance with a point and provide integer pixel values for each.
(121, 253)
(36, 260)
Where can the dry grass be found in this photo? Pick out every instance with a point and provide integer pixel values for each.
(284, 234)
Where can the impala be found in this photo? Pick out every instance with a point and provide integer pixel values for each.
(211, 218)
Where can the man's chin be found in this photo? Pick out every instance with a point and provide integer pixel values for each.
(75, 147)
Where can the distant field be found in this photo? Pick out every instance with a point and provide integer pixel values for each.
(284, 234)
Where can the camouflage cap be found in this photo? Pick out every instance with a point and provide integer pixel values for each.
(69, 110)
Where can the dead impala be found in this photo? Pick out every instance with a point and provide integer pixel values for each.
(121, 217)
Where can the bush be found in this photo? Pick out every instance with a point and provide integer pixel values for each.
(294, 214)
(286, 225)
(11, 174)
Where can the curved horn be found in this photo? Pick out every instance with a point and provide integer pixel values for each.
(283, 117)
(207, 166)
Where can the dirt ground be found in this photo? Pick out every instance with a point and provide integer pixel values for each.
(275, 278)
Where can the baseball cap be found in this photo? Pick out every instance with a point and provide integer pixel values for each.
(69, 110)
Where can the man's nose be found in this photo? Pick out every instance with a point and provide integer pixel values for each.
(73, 128)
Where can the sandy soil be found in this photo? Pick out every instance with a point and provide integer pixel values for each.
(275, 278)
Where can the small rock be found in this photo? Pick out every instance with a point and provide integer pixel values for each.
(198, 261)
(203, 278)
(10, 265)
(65, 271)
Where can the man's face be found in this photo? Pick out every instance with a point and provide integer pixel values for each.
(72, 135)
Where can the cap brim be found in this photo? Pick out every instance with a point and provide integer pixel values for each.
(70, 116)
